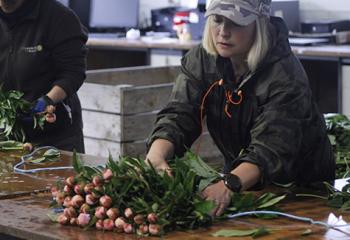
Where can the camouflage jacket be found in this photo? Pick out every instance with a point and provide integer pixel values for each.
(277, 124)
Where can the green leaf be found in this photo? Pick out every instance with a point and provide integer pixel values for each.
(336, 202)
(204, 207)
(77, 164)
(271, 202)
(37, 160)
(262, 231)
(155, 207)
(53, 217)
(307, 232)
(52, 153)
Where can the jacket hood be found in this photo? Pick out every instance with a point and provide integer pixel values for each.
(279, 47)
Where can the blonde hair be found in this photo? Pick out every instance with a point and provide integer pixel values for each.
(257, 51)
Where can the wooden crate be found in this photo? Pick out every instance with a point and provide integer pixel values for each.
(120, 107)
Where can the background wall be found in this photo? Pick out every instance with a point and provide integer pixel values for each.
(311, 10)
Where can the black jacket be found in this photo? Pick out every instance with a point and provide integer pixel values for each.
(41, 46)
(277, 125)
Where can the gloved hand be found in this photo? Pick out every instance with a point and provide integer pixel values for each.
(41, 104)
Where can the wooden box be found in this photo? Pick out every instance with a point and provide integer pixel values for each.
(120, 107)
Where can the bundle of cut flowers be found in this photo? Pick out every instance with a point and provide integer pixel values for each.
(13, 107)
(130, 196)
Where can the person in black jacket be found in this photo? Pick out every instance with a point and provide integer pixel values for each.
(247, 84)
(43, 55)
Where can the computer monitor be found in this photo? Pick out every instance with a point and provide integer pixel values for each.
(289, 11)
(114, 14)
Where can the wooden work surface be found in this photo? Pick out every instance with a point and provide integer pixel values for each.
(122, 43)
(26, 216)
(15, 184)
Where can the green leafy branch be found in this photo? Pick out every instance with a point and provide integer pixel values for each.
(11, 105)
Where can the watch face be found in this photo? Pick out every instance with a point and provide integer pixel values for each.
(233, 182)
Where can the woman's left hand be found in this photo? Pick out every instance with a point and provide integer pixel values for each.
(220, 194)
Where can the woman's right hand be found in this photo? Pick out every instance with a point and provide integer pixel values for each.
(160, 150)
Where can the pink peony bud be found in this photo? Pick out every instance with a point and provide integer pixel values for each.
(54, 191)
(50, 117)
(67, 190)
(79, 189)
(83, 219)
(27, 147)
(99, 224)
(67, 202)
(106, 201)
(70, 181)
(154, 229)
(97, 181)
(77, 201)
(89, 199)
(88, 188)
(152, 218)
(128, 213)
(97, 192)
(113, 213)
(119, 222)
(63, 219)
(60, 197)
(100, 212)
(70, 212)
(108, 224)
(107, 174)
(139, 219)
(128, 228)
(74, 221)
(85, 208)
(143, 229)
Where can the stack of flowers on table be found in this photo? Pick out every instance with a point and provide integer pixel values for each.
(130, 196)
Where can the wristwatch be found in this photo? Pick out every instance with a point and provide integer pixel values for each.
(232, 182)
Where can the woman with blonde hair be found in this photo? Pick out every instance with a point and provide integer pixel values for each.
(257, 102)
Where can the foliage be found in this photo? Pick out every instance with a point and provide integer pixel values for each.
(337, 198)
(175, 199)
(10, 145)
(338, 129)
(11, 105)
(50, 155)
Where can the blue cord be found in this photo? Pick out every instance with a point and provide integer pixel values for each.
(24, 159)
(304, 219)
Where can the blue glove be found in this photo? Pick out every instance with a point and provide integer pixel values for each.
(41, 104)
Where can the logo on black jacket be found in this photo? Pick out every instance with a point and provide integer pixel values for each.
(34, 49)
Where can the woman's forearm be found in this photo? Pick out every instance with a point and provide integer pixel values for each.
(159, 151)
(57, 94)
(248, 173)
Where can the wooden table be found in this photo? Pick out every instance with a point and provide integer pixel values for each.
(26, 216)
(15, 184)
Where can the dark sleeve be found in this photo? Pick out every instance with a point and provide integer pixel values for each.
(68, 48)
(277, 132)
(179, 121)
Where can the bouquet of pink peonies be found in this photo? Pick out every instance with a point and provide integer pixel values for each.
(130, 196)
